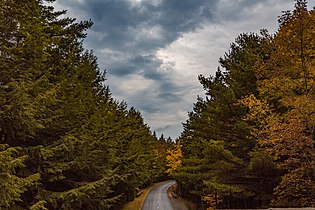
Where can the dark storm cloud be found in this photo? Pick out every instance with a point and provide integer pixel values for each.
(145, 66)
(184, 15)
(156, 99)
(127, 35)
(170, 96)
(153, 75)
(122, 70)
(148, 108)
(136, 30)
(117, 23)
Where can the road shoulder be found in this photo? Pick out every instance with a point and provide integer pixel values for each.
(178, 202)
(138, 201)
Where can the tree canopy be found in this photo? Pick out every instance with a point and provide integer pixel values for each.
(65, 143)
(250, 142)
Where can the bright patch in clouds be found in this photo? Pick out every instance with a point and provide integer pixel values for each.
(135, 84)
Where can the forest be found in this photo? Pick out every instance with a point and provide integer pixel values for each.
(250, 142)
(66, 143)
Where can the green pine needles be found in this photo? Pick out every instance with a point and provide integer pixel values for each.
(65, 142)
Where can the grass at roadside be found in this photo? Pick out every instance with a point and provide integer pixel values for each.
(137, 202)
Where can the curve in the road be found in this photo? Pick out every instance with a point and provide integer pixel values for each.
(157, 198)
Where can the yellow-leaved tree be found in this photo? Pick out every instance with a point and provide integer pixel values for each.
(174, 158)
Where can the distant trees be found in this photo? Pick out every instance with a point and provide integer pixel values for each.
(65, 143)
(250, 143)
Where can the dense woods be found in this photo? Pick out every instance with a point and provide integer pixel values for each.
(65, 143)
(250, 142)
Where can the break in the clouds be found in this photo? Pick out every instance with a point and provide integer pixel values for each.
(154, 50)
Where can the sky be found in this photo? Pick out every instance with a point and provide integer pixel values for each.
(154, 50)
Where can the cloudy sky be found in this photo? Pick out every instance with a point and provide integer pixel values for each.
(153, 50)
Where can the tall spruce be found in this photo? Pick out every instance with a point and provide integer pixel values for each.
(65, 142)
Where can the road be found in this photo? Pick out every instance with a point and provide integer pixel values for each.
(157, 198)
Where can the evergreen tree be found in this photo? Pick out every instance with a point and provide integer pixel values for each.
(78, 148)
(256, 123)
(217, 142)
(12, 186)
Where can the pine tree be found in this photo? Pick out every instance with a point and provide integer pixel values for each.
(12, 186)
(216, 126)
(89, 150)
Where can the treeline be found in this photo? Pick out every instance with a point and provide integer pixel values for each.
(65, 143)
(250, 142)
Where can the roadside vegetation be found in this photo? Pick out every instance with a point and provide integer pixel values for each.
(250, 142)
(136, 204)
(66, 143)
